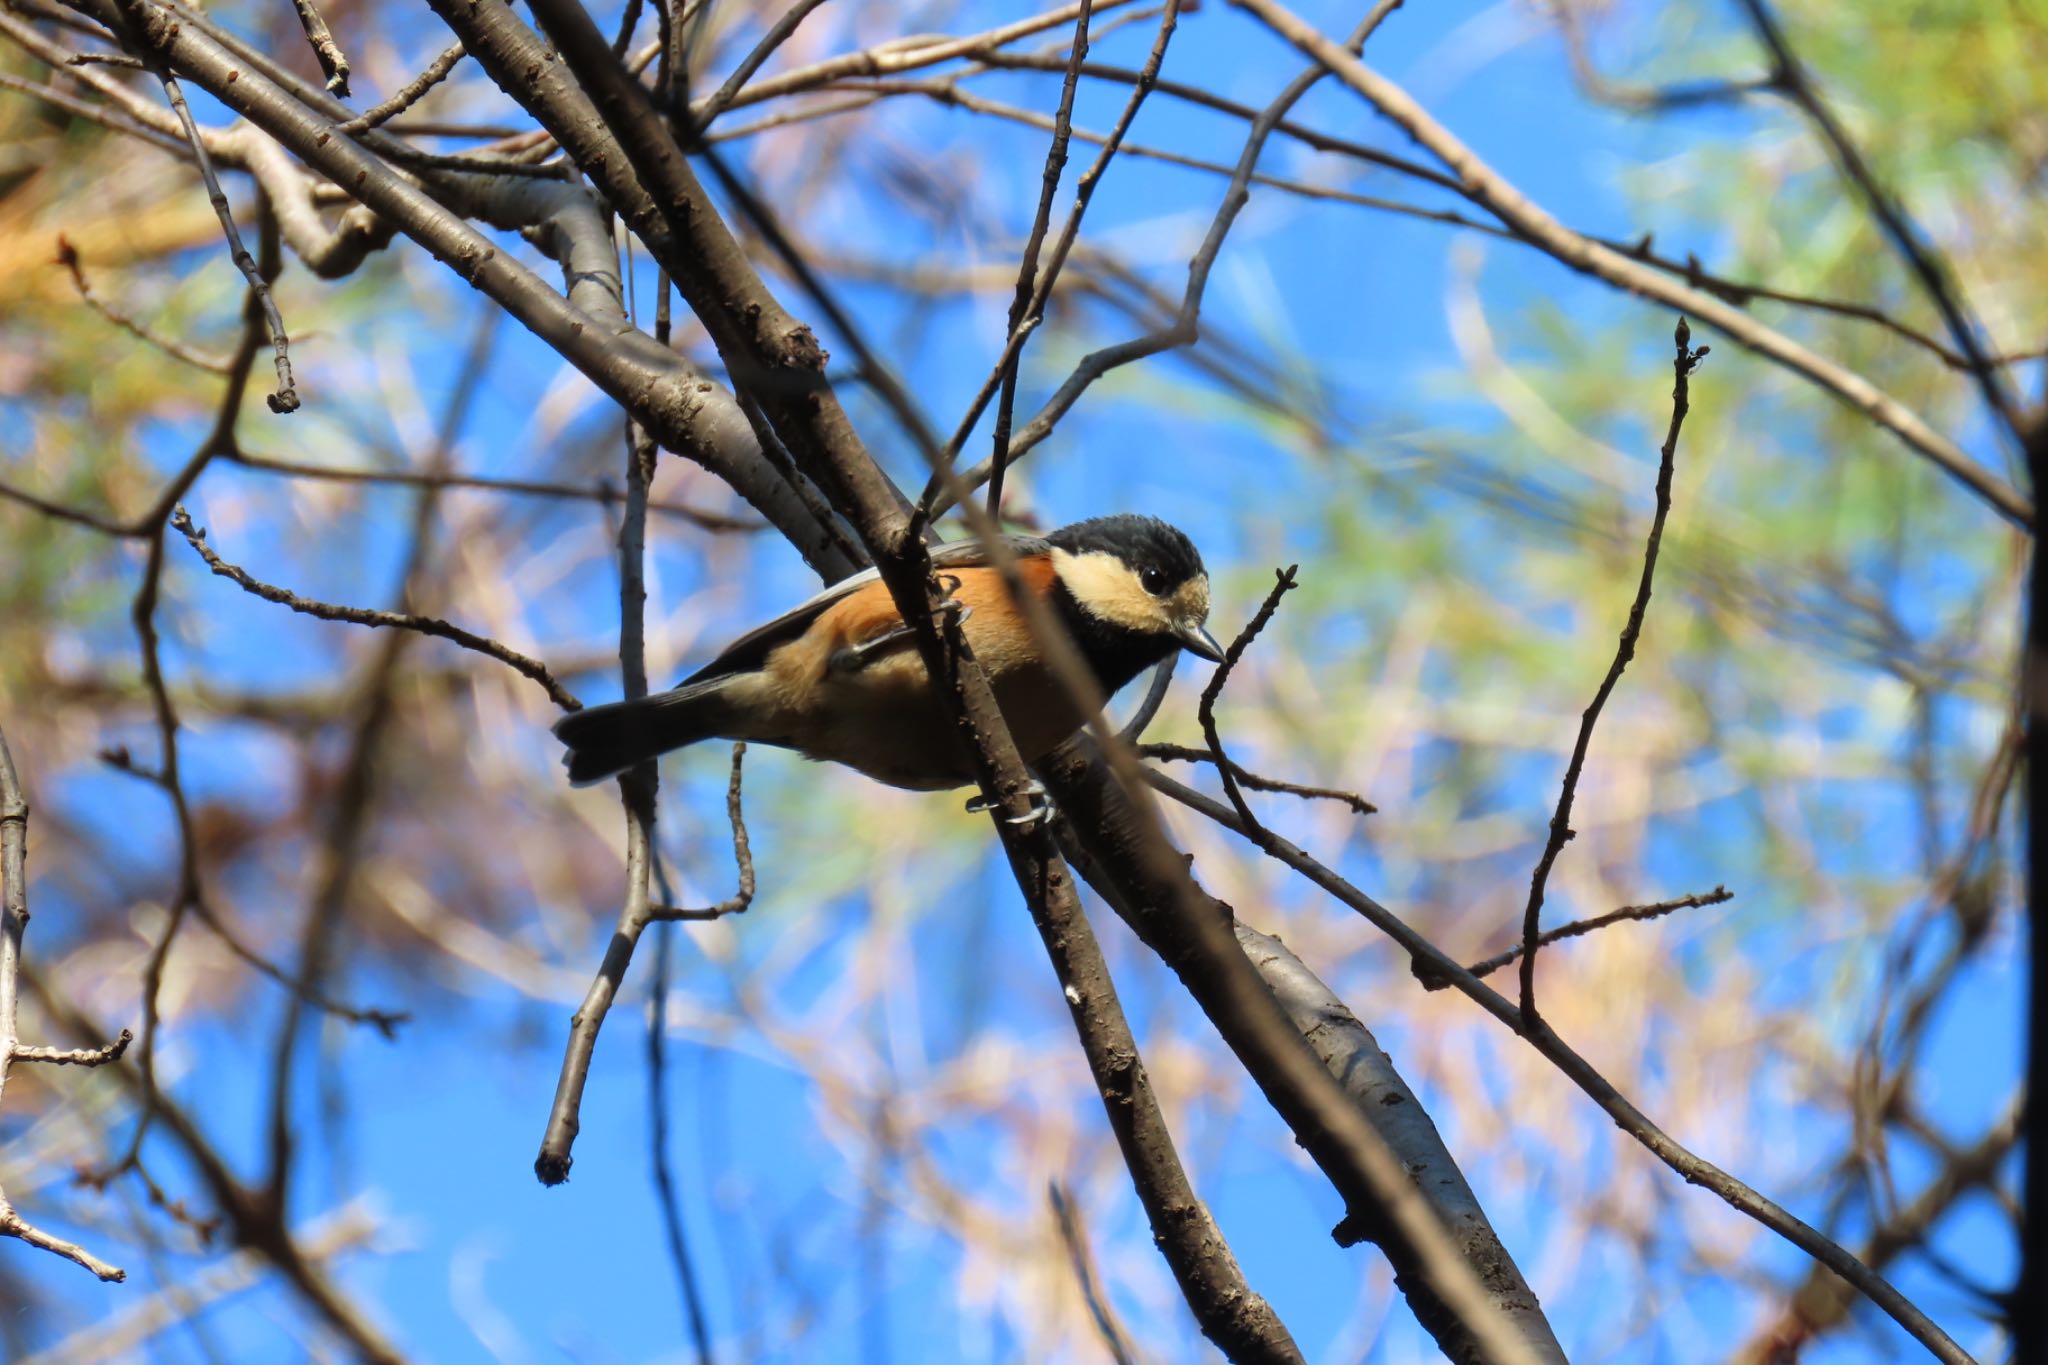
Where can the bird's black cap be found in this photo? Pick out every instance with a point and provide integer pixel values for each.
(1141, 542)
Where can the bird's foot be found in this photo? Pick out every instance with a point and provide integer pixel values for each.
(1041, 804)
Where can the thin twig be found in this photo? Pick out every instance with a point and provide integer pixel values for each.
(742, 856)
(164, 712)
(1155, 697)
(1284, 583)
(538, 488)
(77, 516)
(146, 24)
(13, 925)
(384, 1021)
(893, 58)
(532, 668)
(407, 95)
(95, 113)
(1027, 266)
(1183, 329)
(333, 64)
(1926, 263)
(778, 34)
(879, 375)
(78, 1056)
(666, 1192)
(1181, 753)
(1005, 370)
(67, 256)
(1560, 820)
(1654, 910)
(1076, 1242)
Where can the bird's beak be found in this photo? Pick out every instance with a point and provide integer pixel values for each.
(1199, 642)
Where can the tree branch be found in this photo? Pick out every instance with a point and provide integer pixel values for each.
(1560, 819)
(374, 617)
(13, 925)
(1491, 191)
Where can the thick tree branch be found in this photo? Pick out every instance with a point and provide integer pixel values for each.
(687, 414)
(1108, 840)
(1348, 1048)
(1695, 1170)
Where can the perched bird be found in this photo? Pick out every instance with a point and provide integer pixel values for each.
(839, 679)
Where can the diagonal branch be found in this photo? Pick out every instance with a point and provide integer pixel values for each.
(286, 397)
(374, 617)
(1490, 190)
(1695, 1170)
(1792, 77)
(1354, 1056)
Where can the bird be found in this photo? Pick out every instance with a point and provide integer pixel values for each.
(839, 679)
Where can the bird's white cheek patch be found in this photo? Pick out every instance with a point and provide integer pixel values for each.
(1106, 587)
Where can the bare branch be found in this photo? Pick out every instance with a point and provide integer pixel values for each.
(1076, 1240)
(1354, 1056)
(407, 95)
(144, 23)
(1655, 910)
(532, 668)
(1790, 75)
(742, 857)
(1185, 326)
(1560, 819)
(537, 488)
(1181, 753)
(332, 63)
(1225, 769)
(1822, 1302)
(1693, 1169)
(778, 33)
(67, 256)
(1490, 190)
(1027, 265)
(1193, 933)
(13, 925)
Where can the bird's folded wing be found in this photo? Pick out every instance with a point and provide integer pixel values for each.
(752, 649)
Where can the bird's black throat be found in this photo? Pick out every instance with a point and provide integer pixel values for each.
(1115, 654)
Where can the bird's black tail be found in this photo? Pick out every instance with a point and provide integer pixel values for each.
(606, 740)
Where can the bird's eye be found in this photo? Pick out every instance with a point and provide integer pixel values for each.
(1153, 579)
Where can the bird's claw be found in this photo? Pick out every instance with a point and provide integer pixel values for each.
(1042, 807)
